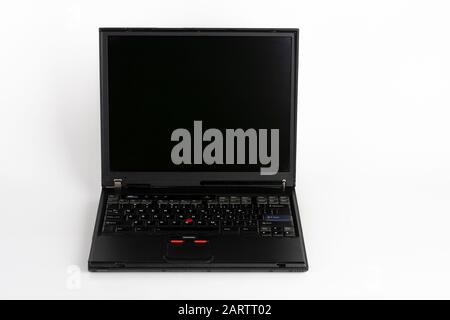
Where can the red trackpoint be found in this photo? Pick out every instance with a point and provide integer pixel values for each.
(188, 221)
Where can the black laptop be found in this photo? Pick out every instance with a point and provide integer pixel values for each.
(198, 131)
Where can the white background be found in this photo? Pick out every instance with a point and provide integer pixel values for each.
(373, 141)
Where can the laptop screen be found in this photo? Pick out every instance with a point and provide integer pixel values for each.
(200, 103)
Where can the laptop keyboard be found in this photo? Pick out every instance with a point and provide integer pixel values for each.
(265, 216)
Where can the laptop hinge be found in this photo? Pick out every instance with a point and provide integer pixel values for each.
(117, 184)
(283, 184)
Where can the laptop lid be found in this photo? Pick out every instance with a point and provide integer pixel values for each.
(191, 107)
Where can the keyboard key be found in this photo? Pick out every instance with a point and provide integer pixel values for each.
(289, 232)
(277, 218)
(187, 229)
(112, 206)
(284, 200)
(246, 200)
(137, 222)
(235, 200)
(123, 229)
(230, 230)
(113, 197)
(109, 229)
(273, 200)
(131, 196)
(248, 230)
(114, 217)
(224, 200)
(261, 200)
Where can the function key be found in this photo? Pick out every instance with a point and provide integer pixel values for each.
(261, 200)
(284, 200)
(113, 198)
(273, 200)
(224, 200)
(235, 200)
(246, 200)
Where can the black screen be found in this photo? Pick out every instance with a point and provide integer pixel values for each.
(157, 84)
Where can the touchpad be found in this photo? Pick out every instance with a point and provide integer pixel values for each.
(179, 251)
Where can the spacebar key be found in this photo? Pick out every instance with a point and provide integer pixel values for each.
(186, 229)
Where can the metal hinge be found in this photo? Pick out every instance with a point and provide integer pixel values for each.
(283, 184)
(117, 184)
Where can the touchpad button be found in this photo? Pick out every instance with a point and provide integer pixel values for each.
(188, 251)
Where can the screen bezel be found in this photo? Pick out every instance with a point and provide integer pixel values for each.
(177, 178)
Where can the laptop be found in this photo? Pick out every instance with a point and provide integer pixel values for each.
(198, 144)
